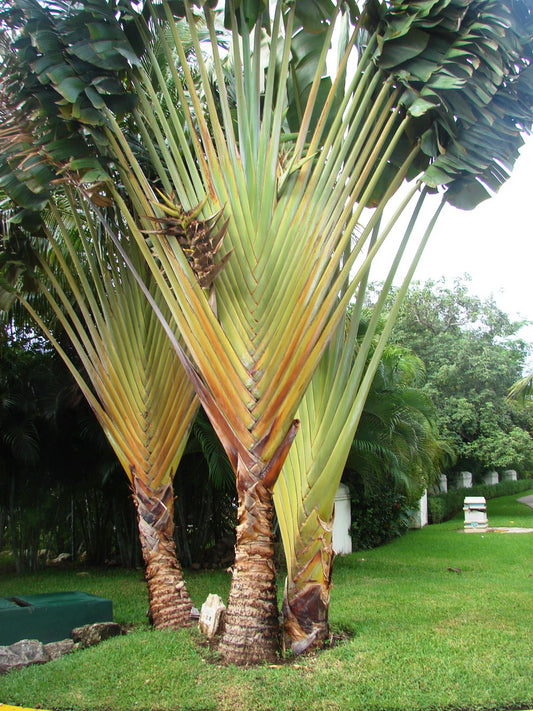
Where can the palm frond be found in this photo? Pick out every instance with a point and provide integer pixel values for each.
(522, 389)
(220, 472)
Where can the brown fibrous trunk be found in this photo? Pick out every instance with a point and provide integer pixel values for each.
(169, 602)
(251, 633)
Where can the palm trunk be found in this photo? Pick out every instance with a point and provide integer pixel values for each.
(251, 633)
(307, 589)
(169, 601)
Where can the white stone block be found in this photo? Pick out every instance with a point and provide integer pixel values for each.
(464, 480)
(342, 522)
(211, 615)
(491, 478)
(509, 475)
(475, 510)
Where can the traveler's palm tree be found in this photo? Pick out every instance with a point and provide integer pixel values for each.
(330, 414)
(247, 213)
(394, 438)
(127, 370)
(277, 220)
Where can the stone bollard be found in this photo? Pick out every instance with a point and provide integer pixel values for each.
(491, 478)
(419, 518)
(342, 541)
(475, 510)
(464, 480)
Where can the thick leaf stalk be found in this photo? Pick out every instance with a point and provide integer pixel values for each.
(307, 591)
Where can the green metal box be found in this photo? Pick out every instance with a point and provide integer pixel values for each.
(50, 617)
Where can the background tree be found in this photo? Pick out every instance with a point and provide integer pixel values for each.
(23, 371)
(397, 435)
(472, 355)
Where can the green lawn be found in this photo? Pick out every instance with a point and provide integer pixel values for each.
(420, 636)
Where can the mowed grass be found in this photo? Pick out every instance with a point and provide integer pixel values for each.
(438, 619)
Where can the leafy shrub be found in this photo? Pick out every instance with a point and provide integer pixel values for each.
(443, 507)
(378, 517)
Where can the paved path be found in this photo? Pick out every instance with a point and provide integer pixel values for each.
(528, 500)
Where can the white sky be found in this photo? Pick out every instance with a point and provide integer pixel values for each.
(493, 243)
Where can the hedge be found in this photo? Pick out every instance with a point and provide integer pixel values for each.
(443, 507)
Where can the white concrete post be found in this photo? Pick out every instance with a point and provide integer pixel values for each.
(475, 510)
(342, 541)
(464, 480)
(490, 478)
(419, 518)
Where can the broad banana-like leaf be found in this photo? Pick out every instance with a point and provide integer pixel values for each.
(468, 65)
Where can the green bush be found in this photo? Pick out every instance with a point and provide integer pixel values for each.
(443, 507)
(378, 517)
